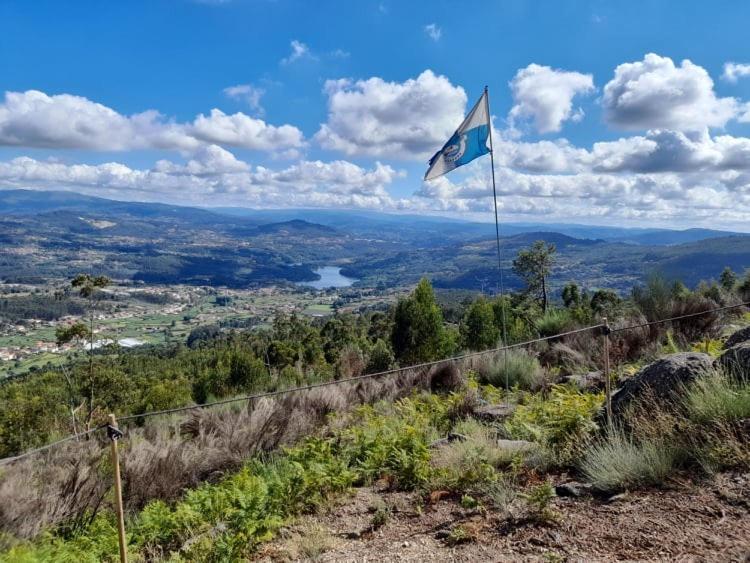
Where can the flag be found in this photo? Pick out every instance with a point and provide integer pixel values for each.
(467, 143)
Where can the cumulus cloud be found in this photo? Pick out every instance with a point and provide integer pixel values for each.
(667, 198)
(35, 119)
(240, 130)
(248, 94)
(656, 94)
(214, 175)
(402, 120)
(734, 71)
(299, 51)
(433, 31)
(546, 95)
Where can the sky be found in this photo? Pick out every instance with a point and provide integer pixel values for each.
(617, 113)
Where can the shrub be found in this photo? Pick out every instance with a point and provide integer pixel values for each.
(561, 424)
(553, 322)
(699, 326)
(470, 464)
(538, 499)
(511, 368)
(619, 461)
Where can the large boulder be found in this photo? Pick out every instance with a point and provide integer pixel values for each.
(660, 382)
(737, 337)
(735, 362)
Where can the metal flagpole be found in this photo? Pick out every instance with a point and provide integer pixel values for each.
(497, 238)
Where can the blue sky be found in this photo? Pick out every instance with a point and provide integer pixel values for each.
(339, 104)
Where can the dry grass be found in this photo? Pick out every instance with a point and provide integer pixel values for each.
(171, 454)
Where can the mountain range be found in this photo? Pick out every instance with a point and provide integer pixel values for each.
(57, 234)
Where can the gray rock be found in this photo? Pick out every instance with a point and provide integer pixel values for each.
(662, 381)
(572, 489)
(737, 337)
(591, 381)
(494, 413)
(735, 361)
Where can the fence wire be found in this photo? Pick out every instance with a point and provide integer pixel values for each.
(423, 365)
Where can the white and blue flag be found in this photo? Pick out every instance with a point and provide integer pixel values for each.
(467, 143)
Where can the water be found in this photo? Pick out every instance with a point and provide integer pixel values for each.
(330, 276)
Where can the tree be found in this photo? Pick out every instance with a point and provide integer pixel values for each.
(728, 279)
(605, 301)
(417, 334)
(478, 329)
(381, 357)
(533, 266)
(571, 295)
(86, 285)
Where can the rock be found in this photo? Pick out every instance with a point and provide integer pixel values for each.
(737, 337)
(494, 413)
(661, 382)
(735, 361)
(451, 437)
(590, 381)
(516, 446)
(572, 489)
(618, 498)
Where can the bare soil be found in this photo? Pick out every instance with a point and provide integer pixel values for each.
(688, 521)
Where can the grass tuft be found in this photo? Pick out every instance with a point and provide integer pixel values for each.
(618, 462)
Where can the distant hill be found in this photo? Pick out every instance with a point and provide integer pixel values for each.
(58, 234)
(296, 226)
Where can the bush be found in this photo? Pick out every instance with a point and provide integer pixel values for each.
(618, 461)
(511, 368)
(465, 464)
(561, 424)
(553, 322)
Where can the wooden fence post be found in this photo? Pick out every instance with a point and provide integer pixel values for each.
(114, 434)
(607, 379)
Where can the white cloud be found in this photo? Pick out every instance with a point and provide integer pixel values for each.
(401, 120)
(656, 94)
(719, 199)
(240, 130)
(734, 71)
(546, 95)
(248, 94)
(299, 51)
(340, 54)
(35, 119)
(214, 175)
(433, 31)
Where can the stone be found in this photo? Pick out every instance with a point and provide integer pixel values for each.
(572, 489)
(495, 413)
(738, 337)
(735, 361)
(591, 381)
(661, 382)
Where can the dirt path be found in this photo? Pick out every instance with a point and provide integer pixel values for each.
(689, 522)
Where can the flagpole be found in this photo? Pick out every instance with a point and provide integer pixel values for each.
(497, 239)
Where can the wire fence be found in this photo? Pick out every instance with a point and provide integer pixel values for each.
(603, 327)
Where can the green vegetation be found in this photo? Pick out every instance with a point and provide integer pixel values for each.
(702, 431)
(231, 478)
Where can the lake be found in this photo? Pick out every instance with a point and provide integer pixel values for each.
(330, 276)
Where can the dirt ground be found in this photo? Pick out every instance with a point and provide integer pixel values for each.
(706, 521)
